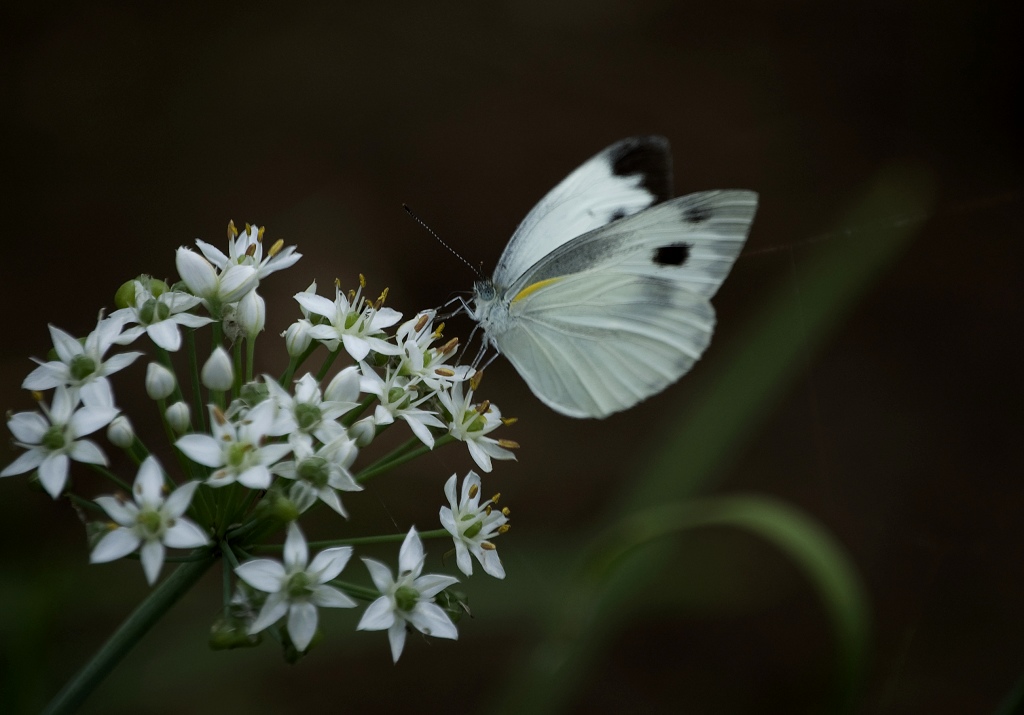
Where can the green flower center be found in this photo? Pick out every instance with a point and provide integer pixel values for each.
(82, 366)
(150, 524)
(351, 320)
(474, 529)
(237, 453)
(53, 438)
(315, 471)
(298, 585)
(478, 423)
(406, 598)
(307, 416)
(399, 397)
(153, 311)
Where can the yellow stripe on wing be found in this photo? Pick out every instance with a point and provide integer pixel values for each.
(536, 286)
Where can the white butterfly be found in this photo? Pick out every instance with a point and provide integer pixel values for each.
(602, 297)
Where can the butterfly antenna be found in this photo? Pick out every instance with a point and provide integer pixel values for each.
(455, 253)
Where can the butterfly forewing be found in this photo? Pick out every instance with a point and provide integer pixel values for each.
(625, 178)
(692, 241)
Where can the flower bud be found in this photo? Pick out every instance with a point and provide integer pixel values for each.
(251, 314)
(217, 373)
(236, 281)
(159, 381)
(179, 417)
(296, 337)
(120, 432)
(363, 431)
(344, 387)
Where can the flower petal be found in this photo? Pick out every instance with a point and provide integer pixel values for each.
(302, 620)
(119, 542)
(262, 574)
(152, 557)
(185, 534)
(429, 619)
(378, 616)
(275, 606)
(330, 562)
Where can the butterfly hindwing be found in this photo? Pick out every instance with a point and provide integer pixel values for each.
(589, 348)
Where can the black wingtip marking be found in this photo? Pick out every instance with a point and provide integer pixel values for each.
(698, 214)
(674, 255)
(648, 156)
(619, 213)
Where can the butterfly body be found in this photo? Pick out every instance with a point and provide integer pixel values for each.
(602, 297)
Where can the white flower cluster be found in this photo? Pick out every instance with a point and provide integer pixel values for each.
(258, 453)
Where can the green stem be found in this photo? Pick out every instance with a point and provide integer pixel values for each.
(198, 406)
(76, 690)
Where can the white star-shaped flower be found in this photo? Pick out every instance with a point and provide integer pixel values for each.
(82, 366)
(422, 363)
(350, 322)
(159, 316)
(397, 399)
(321, 473)
(238, 450)
(472, 423)
(409, 599)
(296, 588)
(306, 414)
(152, 522)
(472, 525)
(53, 438)
(246, 249)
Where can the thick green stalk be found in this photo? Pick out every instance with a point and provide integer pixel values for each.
(76, 690)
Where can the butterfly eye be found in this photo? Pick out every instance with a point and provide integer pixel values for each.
(674, 255)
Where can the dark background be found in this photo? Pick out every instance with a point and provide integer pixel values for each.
(130, 130)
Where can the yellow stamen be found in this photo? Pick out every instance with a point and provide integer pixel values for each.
(473, 491)
(259, 233)
(276, 248)
(474, 382)
(362, 281)
(438, 331)
(444, 372)
(483, 407)
(508, 444)
(448, 346)
(487, 546)
(232, 231)
(421, 323)
(509, 420)
(503, 529)
(250, 250)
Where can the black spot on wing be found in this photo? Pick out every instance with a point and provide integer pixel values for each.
(649, 157)
(675, 254)
(698, 214)
(619, 213)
